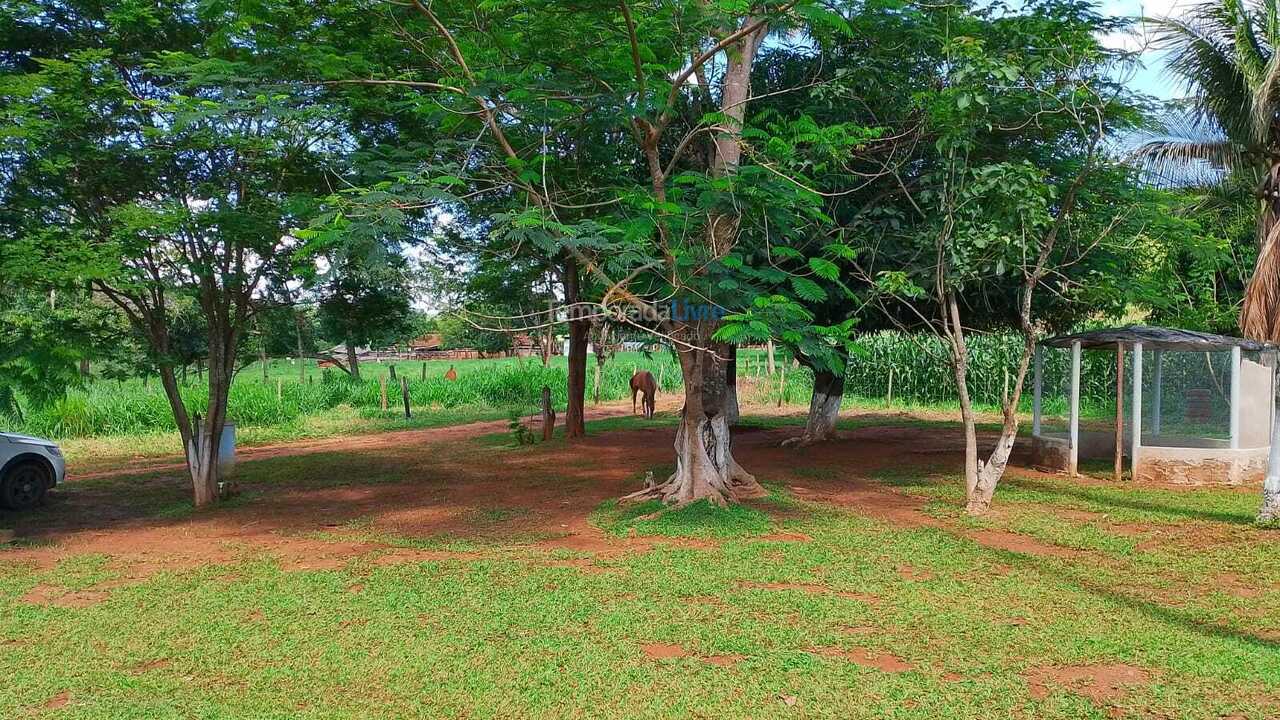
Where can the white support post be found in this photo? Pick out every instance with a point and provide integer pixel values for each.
(1038, 392)
(1136, 442)
(1235, 397)
(1271, 485)
(1156, 401)
(1074, 449)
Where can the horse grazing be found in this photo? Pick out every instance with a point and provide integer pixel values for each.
(451, 375)
(643, 382)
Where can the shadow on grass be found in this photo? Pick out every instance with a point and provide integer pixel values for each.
(1152, 610)
(507, 439)
(281, 487)
(1105, 497)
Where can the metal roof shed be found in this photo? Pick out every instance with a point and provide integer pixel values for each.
(1181, 450)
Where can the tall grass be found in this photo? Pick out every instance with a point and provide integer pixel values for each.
(108, 408)
(921, 376)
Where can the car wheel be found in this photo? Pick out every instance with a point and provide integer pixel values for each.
(24, 486)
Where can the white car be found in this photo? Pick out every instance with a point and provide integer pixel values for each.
(29, 466)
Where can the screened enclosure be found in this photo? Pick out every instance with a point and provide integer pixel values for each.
(1166, 405)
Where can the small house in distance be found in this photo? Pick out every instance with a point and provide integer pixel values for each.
(525, 345)
(425, 346)
(1200, 408)
(431, 347)
(363, 354)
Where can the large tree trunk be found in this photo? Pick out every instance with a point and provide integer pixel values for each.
(353, 360)
(201, 441)
(169, 383)
(705, 466)
(575, 424)
(731, 410)
(824, 410)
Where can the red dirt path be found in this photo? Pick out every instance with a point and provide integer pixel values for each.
(431, 482)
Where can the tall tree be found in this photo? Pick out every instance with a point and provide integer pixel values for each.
(154, 155)
(657, 209)
(1012, 179)
(1225, 53)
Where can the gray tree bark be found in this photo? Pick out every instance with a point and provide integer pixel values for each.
(824, 410)
(353, 360)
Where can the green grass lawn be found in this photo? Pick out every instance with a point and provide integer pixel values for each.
(781, 608)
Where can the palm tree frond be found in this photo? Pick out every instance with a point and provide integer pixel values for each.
(1265, 101)
(1200, 52)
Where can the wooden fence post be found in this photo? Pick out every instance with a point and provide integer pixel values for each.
(392, 370)
(279, 390)
(424, 372)
(404, 392)
(548, 414)
(782, 382)
(889, 400)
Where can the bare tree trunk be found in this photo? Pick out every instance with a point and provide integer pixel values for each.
(770, 351)
(172, 393)
(575, 410)
(731, 411)
(548, 415)
(982, 478)
(353, 360)
(960, 369)
(824, 410)
(991, 472)
(705, 466)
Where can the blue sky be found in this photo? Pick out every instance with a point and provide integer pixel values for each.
(1149, 80)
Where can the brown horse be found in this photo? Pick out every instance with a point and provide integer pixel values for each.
(643, 382)
(451, 375)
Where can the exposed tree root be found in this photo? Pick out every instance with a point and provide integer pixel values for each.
(807, 439)
(978, 508)
(705, 469)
